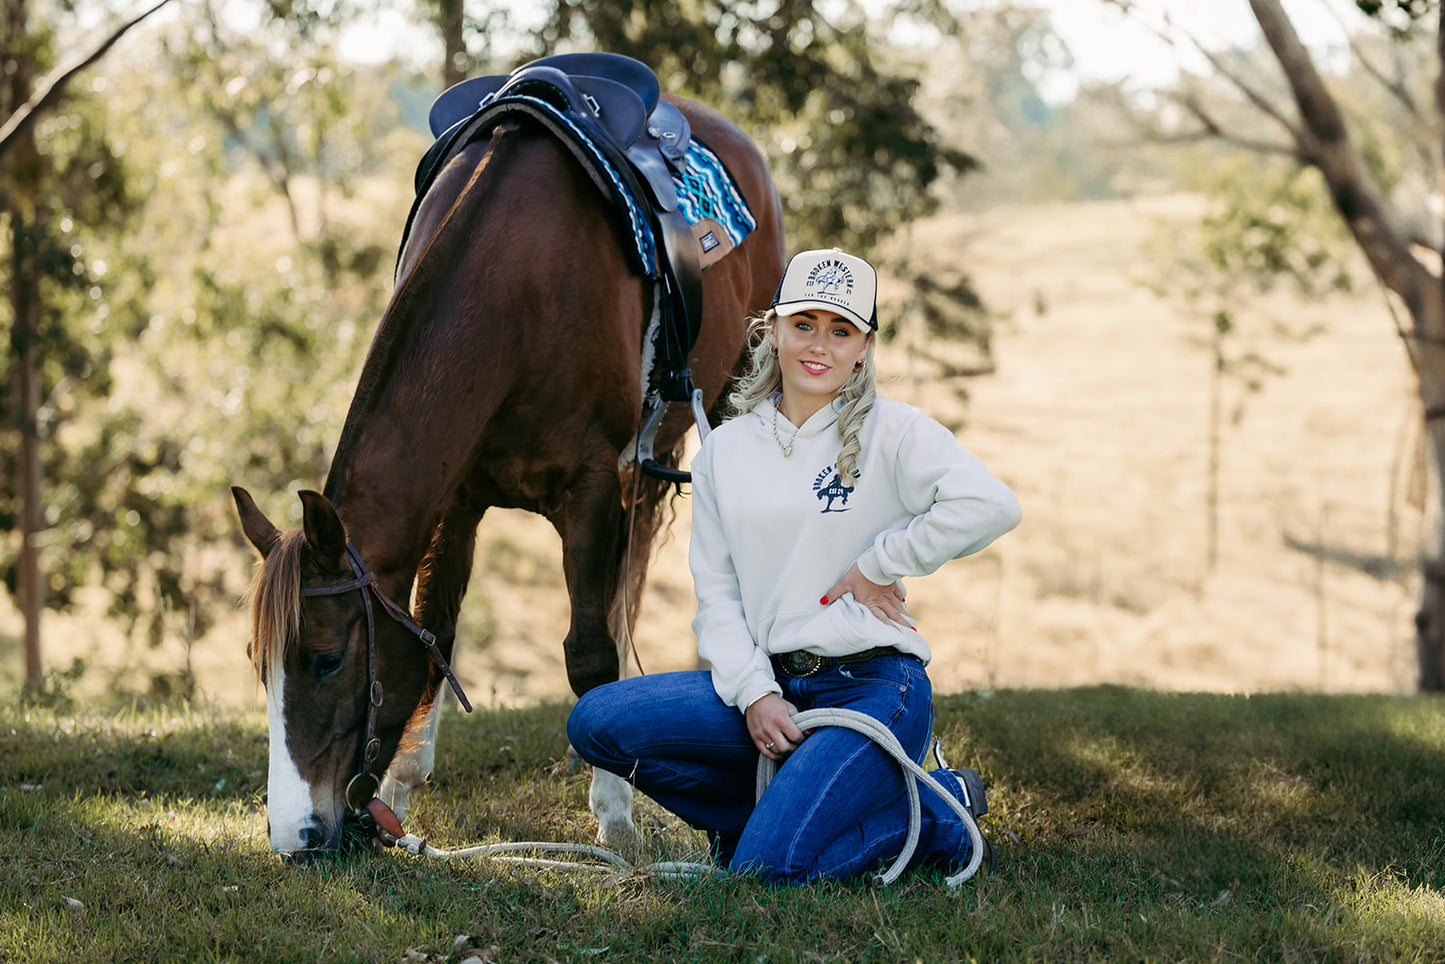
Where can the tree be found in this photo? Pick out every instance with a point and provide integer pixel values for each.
(156, 293)
(853, 156)
(49, 89)
(1265, 223)
(37, 190)
(1308, 125)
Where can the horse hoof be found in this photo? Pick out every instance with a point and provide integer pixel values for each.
(611, 802)
(617, 832)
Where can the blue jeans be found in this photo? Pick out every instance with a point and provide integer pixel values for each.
(838, 804)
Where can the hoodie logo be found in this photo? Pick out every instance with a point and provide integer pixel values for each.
(830, 490)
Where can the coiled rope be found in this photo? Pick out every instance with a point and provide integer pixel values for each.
(607, 861)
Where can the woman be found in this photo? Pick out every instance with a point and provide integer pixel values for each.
(809, 508)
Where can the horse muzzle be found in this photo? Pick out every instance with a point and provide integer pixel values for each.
(304, 841)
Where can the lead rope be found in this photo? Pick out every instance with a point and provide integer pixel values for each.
(912, 773)
(619, 866)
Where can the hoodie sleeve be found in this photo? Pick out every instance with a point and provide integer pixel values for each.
(958, 506)
(741, 671)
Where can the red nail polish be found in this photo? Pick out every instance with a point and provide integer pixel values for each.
(824, 601)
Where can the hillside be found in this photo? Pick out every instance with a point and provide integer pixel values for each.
(1097, 418)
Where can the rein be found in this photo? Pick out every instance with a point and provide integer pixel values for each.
(364, 579)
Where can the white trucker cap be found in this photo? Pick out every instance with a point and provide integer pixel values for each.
(830, 280)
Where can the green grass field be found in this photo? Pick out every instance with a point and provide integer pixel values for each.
(1131, 825)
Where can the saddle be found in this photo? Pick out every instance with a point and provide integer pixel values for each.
(609, 105)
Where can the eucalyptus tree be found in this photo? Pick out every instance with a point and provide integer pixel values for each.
(60, 185)
(191, 214)
(1381, 169)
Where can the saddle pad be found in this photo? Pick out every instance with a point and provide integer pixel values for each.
(709, 199)
(707, 195)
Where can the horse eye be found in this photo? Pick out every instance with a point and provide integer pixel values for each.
(326, 664)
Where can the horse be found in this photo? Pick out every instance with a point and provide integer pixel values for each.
(507, 371)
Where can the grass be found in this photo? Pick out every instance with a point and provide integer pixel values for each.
(1132, 825)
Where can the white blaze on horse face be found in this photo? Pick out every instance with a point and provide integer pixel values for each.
(288, 797)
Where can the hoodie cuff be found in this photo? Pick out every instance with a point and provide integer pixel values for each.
(868, 566)
(743, 707)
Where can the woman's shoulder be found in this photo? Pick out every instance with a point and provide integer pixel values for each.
(737, 430)
(896, 415)
(742, 421)
(904, 427)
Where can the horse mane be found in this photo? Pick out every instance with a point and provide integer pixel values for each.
(275, 597)
(406, 309)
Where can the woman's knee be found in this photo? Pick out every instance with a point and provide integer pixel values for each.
(772, 859)
(587, 724)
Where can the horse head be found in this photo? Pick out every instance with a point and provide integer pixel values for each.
(323, 642)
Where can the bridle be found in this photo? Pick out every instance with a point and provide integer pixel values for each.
(362, 580)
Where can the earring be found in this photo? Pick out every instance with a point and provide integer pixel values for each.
(773, 350)
(858, 365)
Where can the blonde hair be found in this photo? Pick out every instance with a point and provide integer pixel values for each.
(764, 379)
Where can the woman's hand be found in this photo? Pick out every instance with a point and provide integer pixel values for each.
(770, 723)
(885, 602)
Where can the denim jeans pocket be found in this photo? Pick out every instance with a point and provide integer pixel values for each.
(899, 672)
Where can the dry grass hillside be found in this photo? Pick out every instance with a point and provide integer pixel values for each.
(1097, 417)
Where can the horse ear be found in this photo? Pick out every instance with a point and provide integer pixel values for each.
(324, 532)
(259, 530)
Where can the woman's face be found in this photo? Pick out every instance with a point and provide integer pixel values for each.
(817, 352)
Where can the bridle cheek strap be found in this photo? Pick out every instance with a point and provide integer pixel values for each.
(357, 796)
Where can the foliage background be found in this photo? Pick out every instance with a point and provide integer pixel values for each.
(220, 220)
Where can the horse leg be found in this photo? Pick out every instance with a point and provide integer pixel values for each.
(611, 796)
(411, 767)
(441, 584)
(590, 525)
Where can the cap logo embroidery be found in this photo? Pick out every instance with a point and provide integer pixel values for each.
(832, 279)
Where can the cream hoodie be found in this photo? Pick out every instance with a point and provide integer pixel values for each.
(771, 534)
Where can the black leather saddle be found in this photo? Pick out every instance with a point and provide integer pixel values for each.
(617, 95)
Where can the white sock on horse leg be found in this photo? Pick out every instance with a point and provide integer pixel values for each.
(611, 801)
(412, 765)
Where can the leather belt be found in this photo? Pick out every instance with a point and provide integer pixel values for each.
(800, 663)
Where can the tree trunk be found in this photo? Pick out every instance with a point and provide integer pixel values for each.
(25, 301)
(1430, 618)
(457, 64)
(1323, 141)
(24, 112)
(1216, 431)
(23, 173)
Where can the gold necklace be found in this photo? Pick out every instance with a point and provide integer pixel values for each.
(787, 447)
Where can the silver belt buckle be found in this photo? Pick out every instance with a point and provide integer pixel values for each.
(800, 662)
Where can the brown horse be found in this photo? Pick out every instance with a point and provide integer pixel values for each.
(506, 371)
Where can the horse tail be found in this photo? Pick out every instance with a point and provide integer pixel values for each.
(648, 510)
